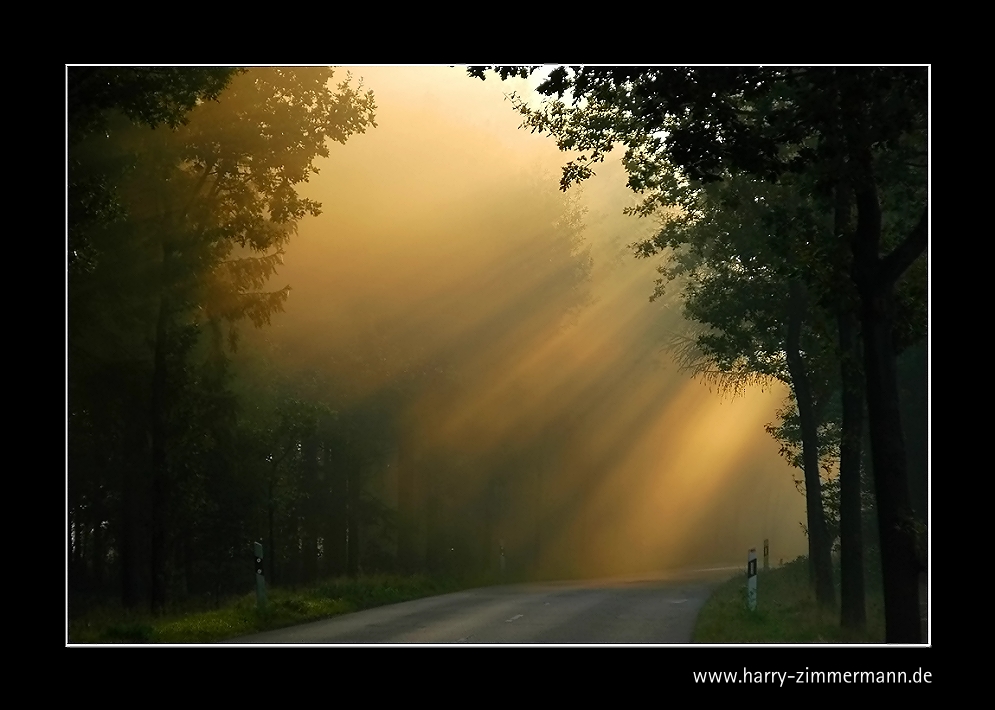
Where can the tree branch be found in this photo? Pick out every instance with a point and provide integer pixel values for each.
(895, 264)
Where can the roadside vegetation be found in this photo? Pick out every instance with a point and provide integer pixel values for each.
(787, 612)
(238, 616)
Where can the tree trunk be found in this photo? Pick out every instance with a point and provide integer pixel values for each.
(853, 613)
(157, 476)
(271, 539)
(132, 542)
(411, 510)
(818, 536)
(312, 484)
(336, 522)
(895, 520)
(352, 518)
(875, 279)
(99, 547)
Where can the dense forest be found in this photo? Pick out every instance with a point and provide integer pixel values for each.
(449, 437)
(191, 434)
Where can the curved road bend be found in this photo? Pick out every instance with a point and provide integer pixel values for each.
(646, 609)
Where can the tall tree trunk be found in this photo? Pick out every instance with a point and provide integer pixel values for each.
(353, 520)
(270, 514)
(99, 545)
(76, 561)
(435, 544)
(537, 551)
(157, 557)
(336, 522)
(132, 542)
(895, 520)
(309, 465)
(411, 509)
(853, 613)
(875, 279)
(818, 536)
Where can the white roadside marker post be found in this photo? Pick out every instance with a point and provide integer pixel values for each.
(751, 579)
(260, 579)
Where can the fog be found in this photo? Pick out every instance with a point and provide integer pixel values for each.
(507, 330)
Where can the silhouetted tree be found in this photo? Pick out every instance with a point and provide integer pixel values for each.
(201, 209)
(713, 122)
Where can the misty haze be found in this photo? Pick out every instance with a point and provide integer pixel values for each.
(466, 378)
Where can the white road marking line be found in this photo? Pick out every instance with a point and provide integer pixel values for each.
(677, 601)
(516, 616)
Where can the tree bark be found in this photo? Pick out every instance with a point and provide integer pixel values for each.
(853, 614)
(352, 520)
(853, 610)
(875, 279)
(818, 536)
(133, 542)
(157, 561)
(411, 509)
(129, 545)
(270, 513)
(336, 522)
(895, 521)
(312, 484)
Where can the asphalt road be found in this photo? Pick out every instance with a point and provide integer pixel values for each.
(654, 609)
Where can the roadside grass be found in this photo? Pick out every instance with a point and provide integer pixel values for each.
(786, 612)
(239, 616)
